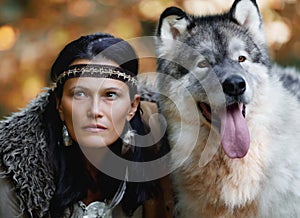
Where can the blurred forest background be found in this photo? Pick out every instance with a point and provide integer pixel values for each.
(32, 32)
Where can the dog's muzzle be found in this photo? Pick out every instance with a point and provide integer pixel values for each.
(235, 137)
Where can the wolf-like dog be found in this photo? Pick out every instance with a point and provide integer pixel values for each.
(233, 124)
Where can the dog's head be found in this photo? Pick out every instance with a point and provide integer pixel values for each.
(221, 60)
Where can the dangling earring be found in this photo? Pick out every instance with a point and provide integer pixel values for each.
(65, 135)
(128, 142)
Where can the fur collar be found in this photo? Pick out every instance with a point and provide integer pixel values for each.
(24, 156)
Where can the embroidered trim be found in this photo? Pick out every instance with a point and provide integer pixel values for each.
(96, 70)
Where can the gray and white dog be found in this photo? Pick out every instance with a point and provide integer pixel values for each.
(233, 117)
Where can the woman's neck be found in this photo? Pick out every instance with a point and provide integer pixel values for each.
(92, 194)
(93, 157)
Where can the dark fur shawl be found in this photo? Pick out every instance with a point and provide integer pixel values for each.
(24, 156)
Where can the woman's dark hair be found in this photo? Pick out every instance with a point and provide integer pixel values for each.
(72, 179)
(90, 46)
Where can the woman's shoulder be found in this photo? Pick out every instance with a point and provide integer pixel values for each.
(24, 123)
(162, 205)
(23, 147)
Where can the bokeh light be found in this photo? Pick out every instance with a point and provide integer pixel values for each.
(32, 32)
(8, 37)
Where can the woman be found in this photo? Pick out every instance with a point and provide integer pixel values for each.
(55, 152)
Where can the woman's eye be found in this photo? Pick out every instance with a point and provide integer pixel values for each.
(111, 95)
(203, 64)
(79, 94)
(242, 58)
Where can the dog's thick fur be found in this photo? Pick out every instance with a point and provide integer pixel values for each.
(233, 125)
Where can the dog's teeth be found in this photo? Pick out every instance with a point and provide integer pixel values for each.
(244, 111)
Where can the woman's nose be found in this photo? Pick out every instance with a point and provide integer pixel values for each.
(95, 109)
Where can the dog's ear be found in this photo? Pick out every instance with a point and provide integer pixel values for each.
(247, 14)
(173, 22)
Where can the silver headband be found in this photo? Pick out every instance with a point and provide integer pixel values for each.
(96, 70)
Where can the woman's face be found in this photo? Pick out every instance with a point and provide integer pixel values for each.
(95, 110)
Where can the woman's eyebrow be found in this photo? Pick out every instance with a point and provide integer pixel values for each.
(78, 87)
(112, 88)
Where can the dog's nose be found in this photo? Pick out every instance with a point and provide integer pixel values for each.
(234, 85)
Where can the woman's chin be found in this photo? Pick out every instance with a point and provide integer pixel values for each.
(92, 143)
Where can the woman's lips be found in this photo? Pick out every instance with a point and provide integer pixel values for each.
(94, 128)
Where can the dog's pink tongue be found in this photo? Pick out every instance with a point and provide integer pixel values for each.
(234, 132)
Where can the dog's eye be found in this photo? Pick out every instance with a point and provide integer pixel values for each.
(242, 58)
(203, 64)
